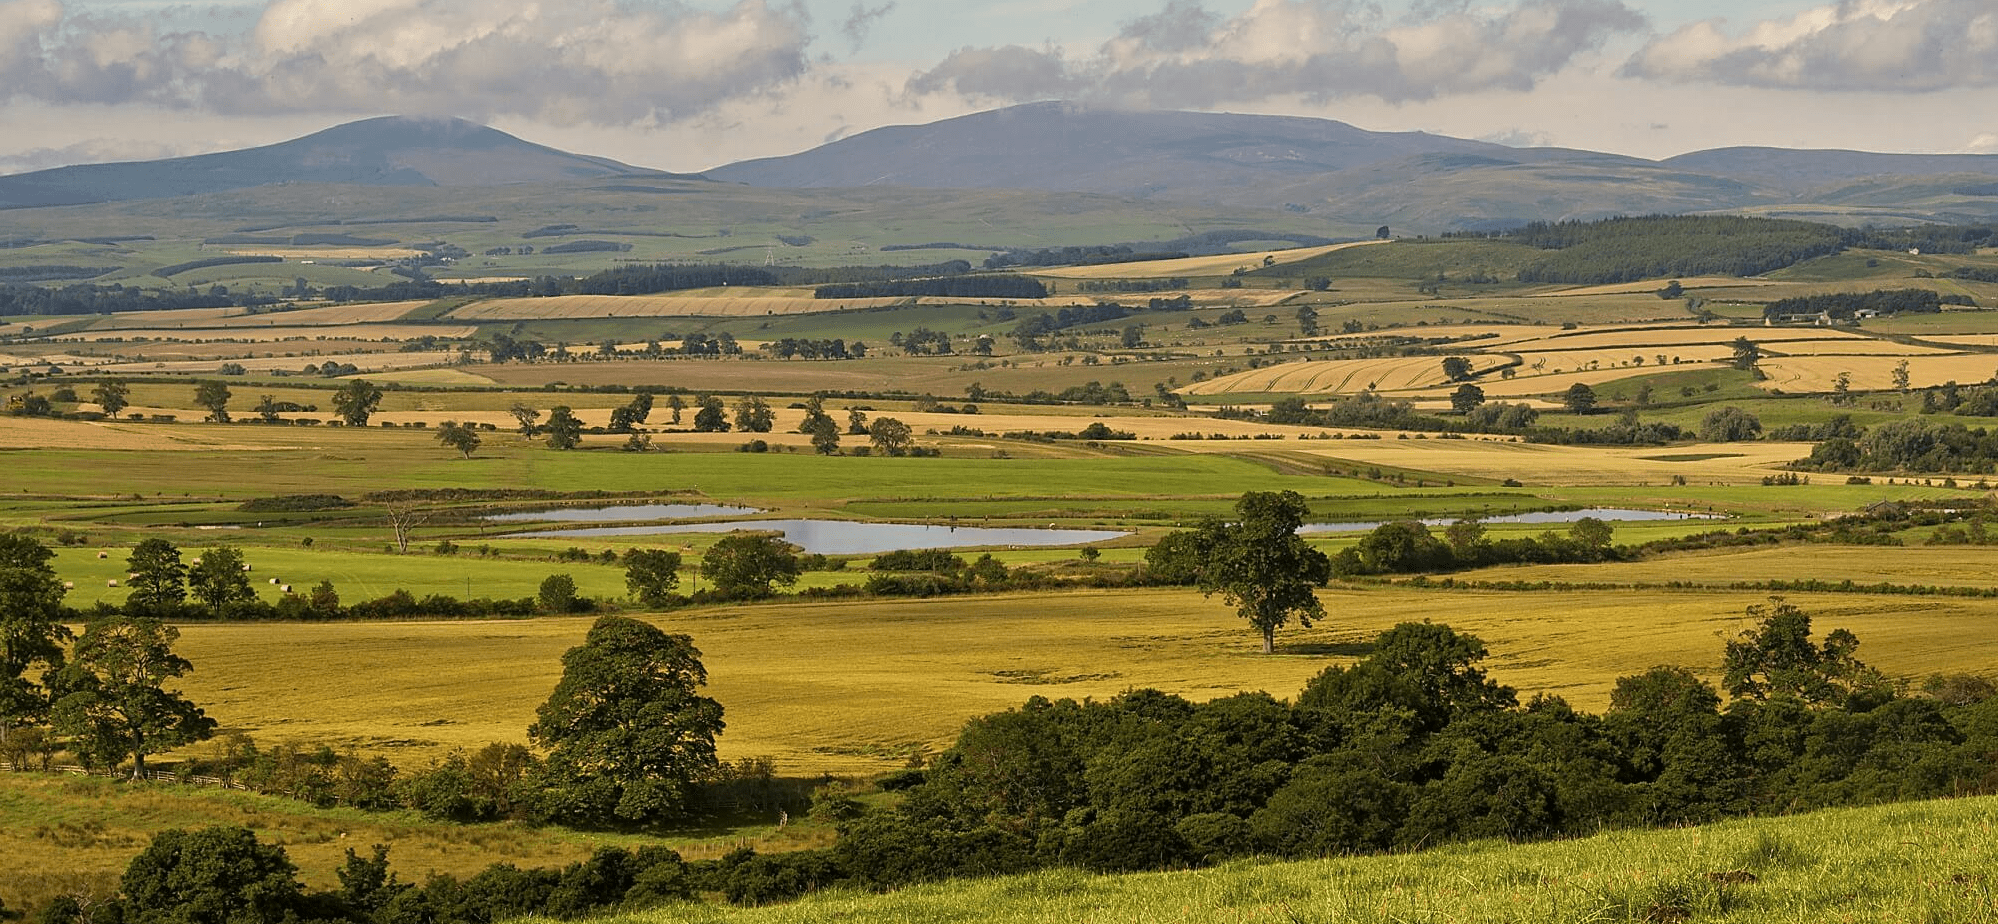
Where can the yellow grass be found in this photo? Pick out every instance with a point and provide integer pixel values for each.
(30, 433)
(1849, 347)
(1493, 334)
(1338, 376)
(1217, 265)
(330, 314)
(1818, 373)
(1644, 337)
(1577, 360)
(329, 253)
(1958, 566)
(263, 334)
(1499, 458)
(840, 687)
(657, 306)
(1694, 282)
(366, 362)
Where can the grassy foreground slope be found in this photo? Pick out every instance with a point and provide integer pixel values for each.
(1915, 862)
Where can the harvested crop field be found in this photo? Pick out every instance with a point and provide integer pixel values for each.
(329, 253)
(248, 334)
(33, 433)
(363, 361)
(657, 306)
(1338, 376)
(1217, 265)
(1818, 373)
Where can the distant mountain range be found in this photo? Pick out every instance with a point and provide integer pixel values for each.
(391, 151)
(1411, 180)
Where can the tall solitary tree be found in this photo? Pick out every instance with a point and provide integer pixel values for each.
(111, 397)
(711, 416)
(524, 418)
(215, 397)
(459, 436)
(753, 415)
(31, 631)
(626, 729)
(356, 401)
(1579, 398)
(890, 435)
(112, 698)
(563, 429)
(1260, 565)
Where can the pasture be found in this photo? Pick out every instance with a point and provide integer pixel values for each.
(1895, 863)
(857, 687)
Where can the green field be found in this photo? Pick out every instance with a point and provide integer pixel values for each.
(1924, 862)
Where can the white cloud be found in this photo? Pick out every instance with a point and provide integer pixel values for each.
(1186, 56)
(1863, 45)
(568, 62)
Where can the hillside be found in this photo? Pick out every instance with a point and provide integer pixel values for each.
(1912, 862)
(390, 151)
(1422, 181)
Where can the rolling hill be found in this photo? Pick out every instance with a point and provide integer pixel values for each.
(1316, 166)
(390, 151)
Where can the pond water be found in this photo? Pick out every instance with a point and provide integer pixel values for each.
(1539, 516)
(618, 514)
(845, 537)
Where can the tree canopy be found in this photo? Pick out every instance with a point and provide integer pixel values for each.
(626, 729)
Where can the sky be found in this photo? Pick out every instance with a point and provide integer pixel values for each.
(692, 84)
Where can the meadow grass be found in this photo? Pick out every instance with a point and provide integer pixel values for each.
(859, 686)
(1919, 863)
(72, 834)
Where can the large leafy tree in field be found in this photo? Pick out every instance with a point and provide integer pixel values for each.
(159, 581)
(744, 567)
(626, 729)
(356, 401)
(112, 699)
(1259, 564)
(217, 579)
(31, 629)
(215, 397)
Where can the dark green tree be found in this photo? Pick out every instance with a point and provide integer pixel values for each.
(890, 436)
(111, 697)
(626, 729)
(753, 415)
(218, 875)
(1777, 659)
(159, 580)
(1466, 398)
(1456, 368)
(563, 429)
(557, 594)
(743, 567)
(1579, 398)
(710, 416)
(652, 575)
(217, 579)
(356, 401)
(460, 437)
(111, 397)
(31, 631)
(1745, 353)
(1262, 567)
(1729, 425)
(215, 397)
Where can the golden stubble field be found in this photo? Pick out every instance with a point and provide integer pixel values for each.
(859, 686)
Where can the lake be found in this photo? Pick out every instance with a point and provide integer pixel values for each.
(1613, 514)
(846, 537)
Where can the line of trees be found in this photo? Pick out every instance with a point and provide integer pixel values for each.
(1001, 285)
(1843, 305)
